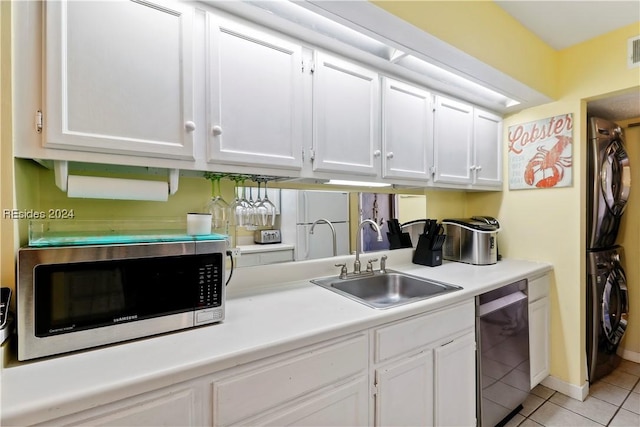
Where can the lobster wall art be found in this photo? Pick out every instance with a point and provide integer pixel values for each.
(540, 153)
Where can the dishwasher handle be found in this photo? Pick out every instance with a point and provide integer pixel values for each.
(501, 303)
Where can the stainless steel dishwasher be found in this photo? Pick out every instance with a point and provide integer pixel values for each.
(502, 334)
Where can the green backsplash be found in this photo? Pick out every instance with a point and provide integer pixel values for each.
(36, 190)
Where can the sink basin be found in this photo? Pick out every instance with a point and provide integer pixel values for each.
(385, 290)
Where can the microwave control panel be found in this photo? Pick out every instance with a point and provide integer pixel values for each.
(209, 285)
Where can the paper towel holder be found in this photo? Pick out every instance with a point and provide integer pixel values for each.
(61, 172)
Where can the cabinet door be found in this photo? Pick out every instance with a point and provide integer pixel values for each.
(405, 392)
(487, 137)
(254, 97)
(173, 406)
(455, 382)
(267, 387)
(452, 141)
(345, 111)
(406, 131)
(118, 78)
(539, 331)
(345, 405)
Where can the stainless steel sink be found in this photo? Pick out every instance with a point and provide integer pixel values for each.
(385, 290)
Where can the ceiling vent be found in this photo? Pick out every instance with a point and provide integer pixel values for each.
(634, 52)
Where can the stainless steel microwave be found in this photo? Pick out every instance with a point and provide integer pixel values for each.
(76, 297)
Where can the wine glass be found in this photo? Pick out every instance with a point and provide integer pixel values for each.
(217, 206)
(270, 207)
(249, 210)
(236, 208)
(261, 211)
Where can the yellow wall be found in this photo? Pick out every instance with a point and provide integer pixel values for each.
(550, 224)
(485, 31)
(546, 225)
(7, 268)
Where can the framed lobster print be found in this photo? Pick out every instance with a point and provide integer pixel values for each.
(540, 153)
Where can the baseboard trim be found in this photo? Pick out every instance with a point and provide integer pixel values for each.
(629, 355)
(576, 392)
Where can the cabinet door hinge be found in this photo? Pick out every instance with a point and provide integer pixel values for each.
(375, 390)
(310, 64)
(39, 121)
(432, 169)
(312, 154)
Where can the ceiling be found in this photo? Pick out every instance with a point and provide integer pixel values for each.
(562, 24)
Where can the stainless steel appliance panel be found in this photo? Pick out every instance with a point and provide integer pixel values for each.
(502, 334)
(470, 241)
(609, 175)
(114, 293)
(607, 308)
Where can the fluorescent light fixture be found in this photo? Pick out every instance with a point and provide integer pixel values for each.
(357, 183)
(394, 55)
(451, 79)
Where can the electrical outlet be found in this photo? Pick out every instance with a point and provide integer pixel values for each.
(235, 252)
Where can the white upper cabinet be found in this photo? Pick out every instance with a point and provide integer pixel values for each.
(453, 136)
(118, 78)
(466, 144)
(345, 117)
(487, 134)
(407, 132)
(254, 98)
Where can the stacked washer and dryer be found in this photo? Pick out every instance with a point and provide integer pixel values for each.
(608, 185)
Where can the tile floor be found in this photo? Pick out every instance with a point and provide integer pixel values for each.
(612, 401)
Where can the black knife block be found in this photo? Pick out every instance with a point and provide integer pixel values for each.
(399, 241)
(424, 255)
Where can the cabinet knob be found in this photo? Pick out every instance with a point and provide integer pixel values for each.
(473, 167)
(478, 168)
(190, 126)
(390, 155)
(216, 130)
(377, 153)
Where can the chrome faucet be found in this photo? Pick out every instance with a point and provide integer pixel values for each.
(356, 264)
(333, 231)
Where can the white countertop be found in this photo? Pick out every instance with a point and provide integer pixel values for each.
(259, 323)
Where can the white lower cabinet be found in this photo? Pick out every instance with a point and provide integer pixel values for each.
(429, 378)
(415, 371)
(342, 405)
(325, 384)
(404, 392)
(176, 405)
(539, 329)
(455, 382)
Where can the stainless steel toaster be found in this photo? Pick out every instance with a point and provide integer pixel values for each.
(264, 237)
(471, 240)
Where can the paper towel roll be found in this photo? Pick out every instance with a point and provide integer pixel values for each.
(93, 187)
